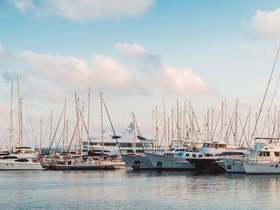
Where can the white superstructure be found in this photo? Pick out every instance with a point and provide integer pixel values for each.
(23, 158)
(264, 159)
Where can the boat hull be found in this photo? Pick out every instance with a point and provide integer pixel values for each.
(162, 162)
(261, 168)
(20, 166)
(232, 165)
(206, 165)
(88, 166)
(138, 161)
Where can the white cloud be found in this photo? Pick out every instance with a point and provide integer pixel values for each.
(77, 73)
(106, 73)
(23, 5)
(179, 81)
(133, 51)
(86, 9)
(267, 23)
(110, 73)
(183, 81)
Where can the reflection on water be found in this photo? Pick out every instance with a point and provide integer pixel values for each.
(136, 190)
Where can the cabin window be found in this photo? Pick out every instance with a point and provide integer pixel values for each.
(208, 155)
(9, 157)
(277, 154)
(200, 156)
(264, 154)
(194, 155)
(21, 160)
(159, 164)
(187, 154)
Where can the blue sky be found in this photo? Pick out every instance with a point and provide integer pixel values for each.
(215, 43)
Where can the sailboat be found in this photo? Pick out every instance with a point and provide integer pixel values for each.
(21, 157)
(69, 161)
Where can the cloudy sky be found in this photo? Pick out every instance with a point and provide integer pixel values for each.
(135, 51)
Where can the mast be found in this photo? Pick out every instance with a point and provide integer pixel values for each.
(133, 129)
(88, 118)
(78, 137)
(168, 131)
(236, 122)
(19, 115)
(164, 121)
(11, 117)
(212, 123)
(222, 122)
(156, 122)
(177, 123)
(172, 125)
(20, 132)
(51, 119)
(207, 125)
(64, 127)
(40, 140)
(102, 126)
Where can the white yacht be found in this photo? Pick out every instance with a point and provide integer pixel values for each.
(209, 155)
(170, 160)
(23, 158)
(264, 159)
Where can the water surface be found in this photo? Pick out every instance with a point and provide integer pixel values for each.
(136, 190)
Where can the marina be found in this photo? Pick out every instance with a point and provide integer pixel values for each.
(139, 105)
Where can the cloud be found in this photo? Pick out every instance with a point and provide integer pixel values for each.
(106, 73)
(179, 81)
(71, 72)
(183, 81)
(131, 49)
(136, 52)
(23, 5)
(267, 23)
(85, 9)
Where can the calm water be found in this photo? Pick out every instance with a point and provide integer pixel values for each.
(136, 190)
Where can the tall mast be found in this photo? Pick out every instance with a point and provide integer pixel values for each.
(168, 131)
(51, 119)
(88, 118)
(40, 140)
(236, 123)
(11, 115)
(133, 129)
(177, 123)
(64, 127)
(19, 123)
(172, 125)
(207, 125)
(77, 131)
(156, 122)
(102, 127)
(222, 122)
(164, 120)
(212, 123)
(21, 136)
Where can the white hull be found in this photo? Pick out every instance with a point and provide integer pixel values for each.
(232, 165)
(162, 162)
(20, 166)
(261, 168)
(137, 161)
